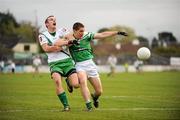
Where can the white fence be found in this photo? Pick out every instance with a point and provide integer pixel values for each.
(102, 68)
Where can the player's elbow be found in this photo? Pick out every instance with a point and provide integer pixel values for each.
(46, 49)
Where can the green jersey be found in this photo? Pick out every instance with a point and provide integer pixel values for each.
(83, 51)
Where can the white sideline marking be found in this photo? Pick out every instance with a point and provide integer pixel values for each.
(99, 109)
(139, 109)
(139, 96)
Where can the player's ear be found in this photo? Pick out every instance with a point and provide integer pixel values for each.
(46, 25)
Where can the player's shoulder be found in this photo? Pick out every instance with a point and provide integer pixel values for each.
(43, 33)
(88, 34)
(42, 36)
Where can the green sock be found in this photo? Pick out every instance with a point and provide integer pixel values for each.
(88, 105)
(63, 99)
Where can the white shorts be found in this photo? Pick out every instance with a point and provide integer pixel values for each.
(87, 66)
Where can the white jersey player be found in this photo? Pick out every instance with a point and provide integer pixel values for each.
(60, 63)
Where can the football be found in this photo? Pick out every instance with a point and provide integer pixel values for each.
(143, 53)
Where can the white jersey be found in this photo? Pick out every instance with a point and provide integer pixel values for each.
(112, 60)
(37, 62)
(47, 38)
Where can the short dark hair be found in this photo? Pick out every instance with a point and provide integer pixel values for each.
(46, 21)
(77, 26)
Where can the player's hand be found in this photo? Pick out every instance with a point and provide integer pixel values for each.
(74, 42)
(122, 33)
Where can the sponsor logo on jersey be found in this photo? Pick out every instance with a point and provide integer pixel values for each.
(40, 39)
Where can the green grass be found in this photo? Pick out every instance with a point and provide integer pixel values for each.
(127, 96)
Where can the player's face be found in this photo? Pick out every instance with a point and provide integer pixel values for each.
(79, 33)
(51, 23)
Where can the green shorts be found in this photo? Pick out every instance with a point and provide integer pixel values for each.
(64, 67)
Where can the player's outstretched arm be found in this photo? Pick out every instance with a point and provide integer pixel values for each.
(105, 34)
(108, 34)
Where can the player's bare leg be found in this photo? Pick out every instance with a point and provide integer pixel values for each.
(84, 89)
(72, 81)
(60, 91)
(96, 83)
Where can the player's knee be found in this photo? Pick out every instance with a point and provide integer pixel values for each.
(82, 81)
(55, 78)
(57, 82)
(54, 75)
(75, 85)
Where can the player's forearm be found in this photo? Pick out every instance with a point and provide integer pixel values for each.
(109, 34)
(61, 42)
(52, 48)
(105, 34)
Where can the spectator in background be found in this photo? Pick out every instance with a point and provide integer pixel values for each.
(12, 66)
(1, 66)
(112, 61)
(138, 65)
(126, 66)
(36, 63)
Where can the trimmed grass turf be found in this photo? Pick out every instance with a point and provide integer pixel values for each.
(127, 96)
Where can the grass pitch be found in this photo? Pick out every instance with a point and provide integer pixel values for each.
(127, 96)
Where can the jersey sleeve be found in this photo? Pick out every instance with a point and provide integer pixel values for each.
(42, 39)
(91, 35)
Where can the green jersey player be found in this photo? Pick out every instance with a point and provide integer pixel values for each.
(82, 55)
(60, 63)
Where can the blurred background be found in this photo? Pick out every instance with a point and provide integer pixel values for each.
(153, 24)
